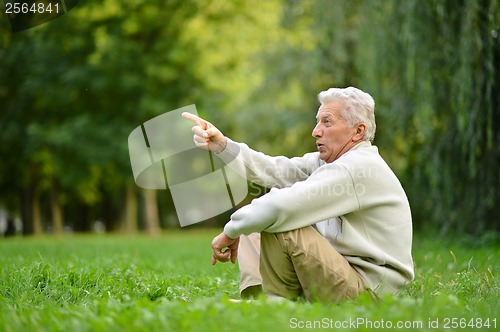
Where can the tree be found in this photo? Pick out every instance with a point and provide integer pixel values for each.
(435, 69)
(73, 89)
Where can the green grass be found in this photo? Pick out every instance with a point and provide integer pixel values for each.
(117, 283)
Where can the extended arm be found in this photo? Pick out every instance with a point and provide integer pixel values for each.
(259, 168)
(328, 192)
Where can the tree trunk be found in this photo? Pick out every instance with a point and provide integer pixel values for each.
(37, 215)
(57, 211)
(151, 219)
(27, 210)
(130, 213)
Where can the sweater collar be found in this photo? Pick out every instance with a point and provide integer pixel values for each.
(362, 144)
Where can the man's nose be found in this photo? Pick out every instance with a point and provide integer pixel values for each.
(316, 131)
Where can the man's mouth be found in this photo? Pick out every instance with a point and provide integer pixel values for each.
(319, 145)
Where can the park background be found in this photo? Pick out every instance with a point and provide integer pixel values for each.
(72, 90)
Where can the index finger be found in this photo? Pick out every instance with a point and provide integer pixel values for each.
(196, 119)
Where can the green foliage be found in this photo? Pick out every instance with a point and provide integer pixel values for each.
(438, 86)
(73, 89)
(111, 283)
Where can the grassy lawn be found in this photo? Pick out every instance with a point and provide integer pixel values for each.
(118, 283)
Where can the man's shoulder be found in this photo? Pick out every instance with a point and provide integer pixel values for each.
(364, 151)
(364, 159)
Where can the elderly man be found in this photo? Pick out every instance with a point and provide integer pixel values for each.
(336, 222)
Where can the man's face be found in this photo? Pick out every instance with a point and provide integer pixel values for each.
(333, 134)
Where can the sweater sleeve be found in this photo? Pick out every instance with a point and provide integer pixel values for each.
(269, 171)
(328, 192)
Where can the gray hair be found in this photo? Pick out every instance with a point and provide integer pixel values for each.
(359, 107)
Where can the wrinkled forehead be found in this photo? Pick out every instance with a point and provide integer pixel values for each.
(330, 109)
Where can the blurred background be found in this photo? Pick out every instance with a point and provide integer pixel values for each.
(73, 89)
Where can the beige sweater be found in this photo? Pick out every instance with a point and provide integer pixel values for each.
(356, 202)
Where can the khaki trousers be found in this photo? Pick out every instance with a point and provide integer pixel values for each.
(297, 263)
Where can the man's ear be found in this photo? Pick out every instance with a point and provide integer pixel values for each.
(360, 132)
